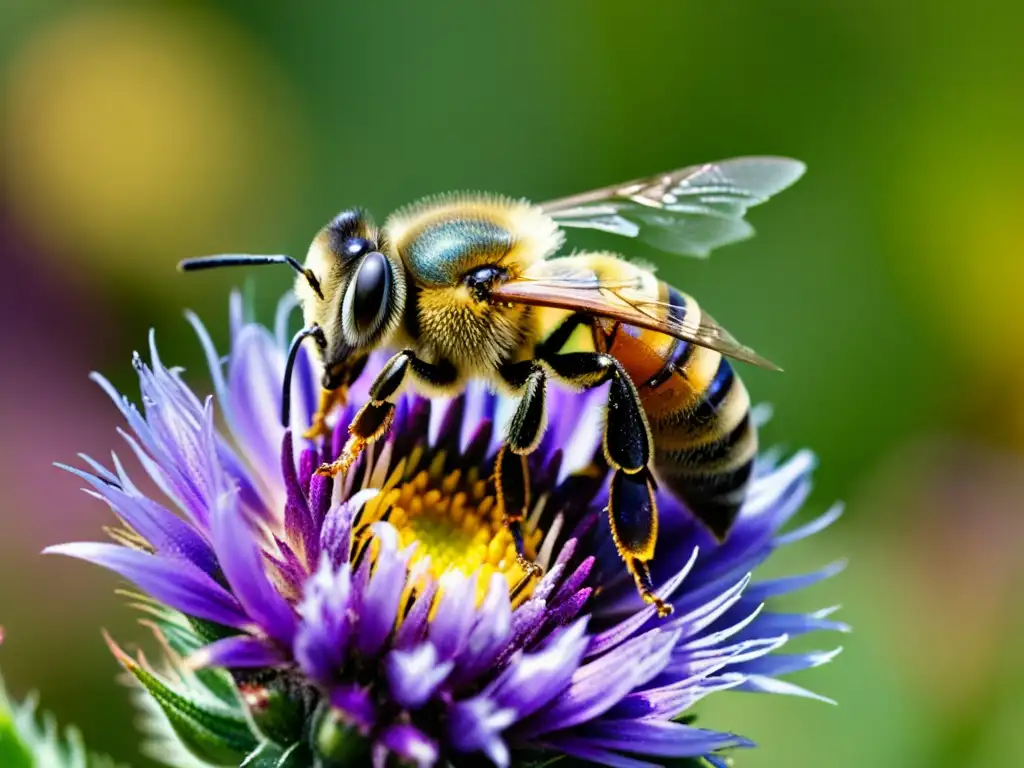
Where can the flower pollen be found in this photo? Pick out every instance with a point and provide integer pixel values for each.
(454, 522)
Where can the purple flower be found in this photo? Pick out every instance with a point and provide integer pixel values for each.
(387, 604)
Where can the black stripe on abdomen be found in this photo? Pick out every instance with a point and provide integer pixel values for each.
(680, 350)
(700, 416)
(710, 477)
(714, 451)
(714, 499)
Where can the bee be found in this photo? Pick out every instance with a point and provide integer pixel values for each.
(472, 286)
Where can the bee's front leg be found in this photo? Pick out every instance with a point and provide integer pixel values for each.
(334, 393)
(329, 398)
(373, 420)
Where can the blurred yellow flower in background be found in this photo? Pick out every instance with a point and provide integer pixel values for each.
(138, 135)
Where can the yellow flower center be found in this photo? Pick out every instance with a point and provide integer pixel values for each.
(454, 521)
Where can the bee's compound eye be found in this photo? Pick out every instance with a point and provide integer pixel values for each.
(356, 246)
(370, 291)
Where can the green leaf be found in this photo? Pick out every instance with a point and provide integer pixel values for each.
(208, 729)
(270, 755)
(13, 750)
(27, 743)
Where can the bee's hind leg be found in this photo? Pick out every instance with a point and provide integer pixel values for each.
(633, 513)
(632, 508)
(373, 420)
(512, 474)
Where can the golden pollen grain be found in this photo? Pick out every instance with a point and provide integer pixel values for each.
(456, 525)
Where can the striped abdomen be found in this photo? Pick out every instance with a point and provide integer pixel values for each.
(699, 413)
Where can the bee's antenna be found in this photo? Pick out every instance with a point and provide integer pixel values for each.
(243, 259)
(293, 351)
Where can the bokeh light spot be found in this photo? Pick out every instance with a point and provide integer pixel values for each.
(133, 133)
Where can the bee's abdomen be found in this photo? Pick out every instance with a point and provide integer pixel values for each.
(697, 408)
(699, 413)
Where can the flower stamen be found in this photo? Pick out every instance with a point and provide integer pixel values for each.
(454, 520)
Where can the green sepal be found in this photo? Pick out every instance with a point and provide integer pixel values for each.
(207, 632)
(27, 743)
(209, 730)
(184, 635)
(279, 703)
(337, 743)
(177, 632)
(269, 755)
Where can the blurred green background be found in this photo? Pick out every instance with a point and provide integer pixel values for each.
(889, 283)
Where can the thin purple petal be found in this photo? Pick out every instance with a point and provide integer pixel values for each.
(413, 676)
(172, 582)
(243, 564)
(410, 744)
(323, 637)
(238, 652)
(379, 608)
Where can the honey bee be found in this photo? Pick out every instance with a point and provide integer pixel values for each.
(471, 286)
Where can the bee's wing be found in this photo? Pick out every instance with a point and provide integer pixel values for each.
(580, 290)
(691, 211)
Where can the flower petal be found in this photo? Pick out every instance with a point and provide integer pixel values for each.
(379, 607)
(255, 372)
(670, 701)
(178, 585)
(628, 627)
(410, 744)
(534, 679)
(816, 525)
(582, 749)
(476, 725)
(413, 676)
(237, 651)
(336, 532)
(657, 738)
(169, 534)
(454, 614)
(323, 637)
(489, 635)
(763, 684)
(762, 590)
(244, 567)
(784, 663)
(600, 684)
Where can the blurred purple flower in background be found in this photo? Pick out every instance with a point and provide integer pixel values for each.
(383, 612)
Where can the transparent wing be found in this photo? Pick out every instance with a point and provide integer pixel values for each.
(691, 211)
(580, 290)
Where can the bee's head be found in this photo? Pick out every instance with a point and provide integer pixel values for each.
(363, 294)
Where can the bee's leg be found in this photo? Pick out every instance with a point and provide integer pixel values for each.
(372, 421)
(512, 475)
(334, 392)
(328, 399)
(632, 509)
